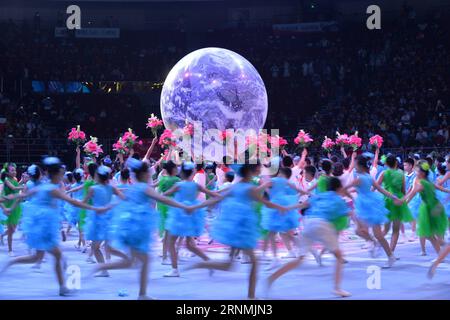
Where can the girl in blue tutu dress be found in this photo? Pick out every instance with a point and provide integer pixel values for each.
(282, 193)
(370, 210)
(34, 173)
(73, 213)
(181, 223)
(324, 208)
(98, 224)
(43, 235)
(237, 224)
(135, 220)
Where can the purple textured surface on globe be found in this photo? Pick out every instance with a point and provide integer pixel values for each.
(216, 86)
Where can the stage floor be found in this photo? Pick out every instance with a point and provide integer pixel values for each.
(406, 280)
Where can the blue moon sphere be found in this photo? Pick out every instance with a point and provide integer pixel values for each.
(217, 87)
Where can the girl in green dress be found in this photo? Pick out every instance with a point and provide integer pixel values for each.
(393, 181)
(166, 182)
(432, 220)
(11, 186)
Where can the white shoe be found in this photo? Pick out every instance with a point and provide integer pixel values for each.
(317, 257)
(274, 264)
(146, 298)
(64, 292)
(390, 263)
(375, 250)
(291, 254)
(423, 254)
(341, 293)
(102, 274)
(366, 245)
(172, 274)
(245, 259)
(90, 260)
(166, 262)
(11, 254)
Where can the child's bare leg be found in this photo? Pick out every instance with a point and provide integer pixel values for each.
(284, 269)
(378, 233)
(273, 243)
(165, 248)
(435, 243)
(395, 234)
(56, 252)
(24, 260)
(191, 246)
(253, 273)
(11, 229)
(97, 252)
(116, 252)
(143, 257)
(173, 251)
(287, 238)
(444, 253)
(387, 227)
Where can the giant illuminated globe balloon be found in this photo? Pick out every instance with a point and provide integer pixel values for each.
(216, 86)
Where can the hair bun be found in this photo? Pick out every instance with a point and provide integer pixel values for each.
(32, 170)
(188, 165)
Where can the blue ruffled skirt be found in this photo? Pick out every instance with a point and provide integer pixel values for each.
(132, 226)
(276, 221)
(370, 209)
(42, 230)
(183, 224)
(236, 225)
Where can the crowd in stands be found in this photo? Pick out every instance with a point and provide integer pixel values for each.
(393, 82)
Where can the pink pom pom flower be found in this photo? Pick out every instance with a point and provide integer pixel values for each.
(167, 139)
(77, 136)
(342, 140)
(129, 139)
(328, 144)
(376, 141)
(92, 148)
(278, 141)
(303, 139)
(120, 147)
(154, 124)
(355, 141)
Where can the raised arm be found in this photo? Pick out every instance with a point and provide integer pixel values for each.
(150, 149)
(352, 162)
(375, 158)
(78, 158)
(380, 178)
(302, 163)
(344, 154)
